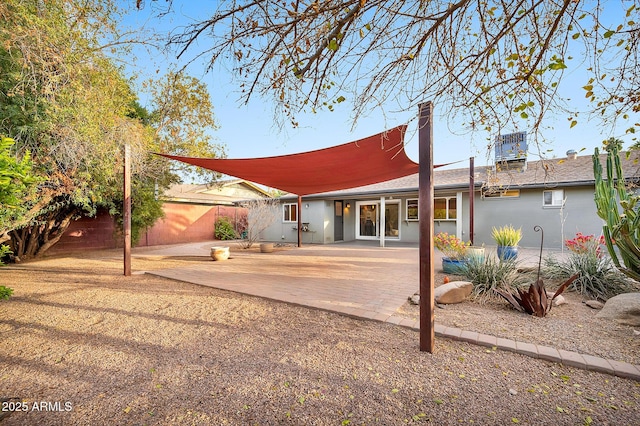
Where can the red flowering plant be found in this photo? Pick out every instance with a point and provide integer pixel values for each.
(450, 245)
(584, 244)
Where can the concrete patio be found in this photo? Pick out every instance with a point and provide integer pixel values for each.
(357, 279)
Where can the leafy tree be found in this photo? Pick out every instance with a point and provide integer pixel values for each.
(66, 101)
(492, 64)
(14, 181)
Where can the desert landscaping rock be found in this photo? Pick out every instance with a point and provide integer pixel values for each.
(559, 300)
(453, 292)
(594, 304)
(624, 308)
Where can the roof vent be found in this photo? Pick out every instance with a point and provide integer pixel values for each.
(572, 154)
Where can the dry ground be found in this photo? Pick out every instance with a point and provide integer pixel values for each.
(572, 326)
(99, 348)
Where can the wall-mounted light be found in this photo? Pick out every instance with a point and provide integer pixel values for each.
(348, 205)
(306, 206)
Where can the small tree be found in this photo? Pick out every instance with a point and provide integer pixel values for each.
(14, 181)
(261, 214)
(618, 207)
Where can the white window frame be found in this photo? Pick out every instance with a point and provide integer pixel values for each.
(288, 219)
(412, 219)
(557, 198)
(447, 199)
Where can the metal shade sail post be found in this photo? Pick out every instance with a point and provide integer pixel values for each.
(425, 212)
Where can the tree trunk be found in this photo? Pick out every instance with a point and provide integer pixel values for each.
(33, 241)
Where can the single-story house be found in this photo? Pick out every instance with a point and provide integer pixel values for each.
(556, 194)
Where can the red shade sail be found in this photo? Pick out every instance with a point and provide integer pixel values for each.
(374, 159)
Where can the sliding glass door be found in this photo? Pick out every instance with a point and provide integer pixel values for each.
(368, 219)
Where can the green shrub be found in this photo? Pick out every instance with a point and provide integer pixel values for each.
(5, 292)
(598, 277)
(492, 273)
(4, 251)
(224, 229)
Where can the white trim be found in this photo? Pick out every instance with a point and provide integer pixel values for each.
(399, 204)
(406, 210)
(377, 224)
(446, 210)
(383, 220)
(458, 214)
(557, 198)
(283, 210)
(378, 221)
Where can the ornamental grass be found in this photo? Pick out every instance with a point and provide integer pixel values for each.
(597, 275)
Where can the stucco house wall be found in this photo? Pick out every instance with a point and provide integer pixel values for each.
(571, 178)
(526, 211)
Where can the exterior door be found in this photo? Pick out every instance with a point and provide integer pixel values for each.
(367, 215)
(338, 221)
(392, 219)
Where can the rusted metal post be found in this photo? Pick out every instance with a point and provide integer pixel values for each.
(471, 197)
(425, 211)
(126, 216)
(299, 221)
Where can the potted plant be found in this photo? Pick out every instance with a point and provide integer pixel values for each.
(454, 251)
(507, 239)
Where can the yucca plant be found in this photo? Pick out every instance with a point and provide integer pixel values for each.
(618, 207)
(597, 277)
(506, 235)
(490, 273)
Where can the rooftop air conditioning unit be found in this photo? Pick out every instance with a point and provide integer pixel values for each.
(511, 152)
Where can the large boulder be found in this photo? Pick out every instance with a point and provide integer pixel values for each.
(453, 292)
(624, 308)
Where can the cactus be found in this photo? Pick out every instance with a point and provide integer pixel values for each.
(618, 207)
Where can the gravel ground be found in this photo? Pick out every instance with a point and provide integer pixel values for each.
(572, 326)
(81, 344)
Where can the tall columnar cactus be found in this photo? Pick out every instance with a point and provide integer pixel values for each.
(618, 207)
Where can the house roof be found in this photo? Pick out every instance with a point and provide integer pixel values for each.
(541, 173)
(221, 193)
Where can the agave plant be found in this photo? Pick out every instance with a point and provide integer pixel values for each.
(535, 301)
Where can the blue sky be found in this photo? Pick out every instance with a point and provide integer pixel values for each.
(249, 130)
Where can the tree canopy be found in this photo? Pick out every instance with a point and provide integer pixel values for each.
(491, 64)
(64, 99)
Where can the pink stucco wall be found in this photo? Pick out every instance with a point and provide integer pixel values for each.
(186, 223)
(182, 223)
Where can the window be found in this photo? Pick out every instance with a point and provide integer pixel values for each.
(553, 198)
(290, 212)
(501, 193)
(444, 208)
(412, 209)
